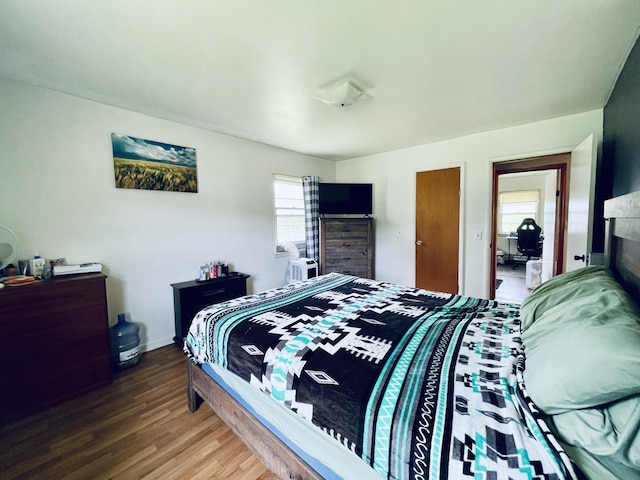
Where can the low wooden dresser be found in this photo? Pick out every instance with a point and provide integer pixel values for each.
(54, 343)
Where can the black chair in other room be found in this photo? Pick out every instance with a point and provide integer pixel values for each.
(529, 244)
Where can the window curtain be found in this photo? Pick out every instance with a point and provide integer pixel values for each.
(310, 186)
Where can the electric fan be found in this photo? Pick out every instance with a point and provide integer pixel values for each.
(8, 247)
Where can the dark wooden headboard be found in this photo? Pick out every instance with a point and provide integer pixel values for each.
(622, 240)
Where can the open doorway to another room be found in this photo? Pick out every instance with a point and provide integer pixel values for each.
(519, 267)
(533, 189)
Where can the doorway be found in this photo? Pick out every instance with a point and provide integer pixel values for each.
(530, 195)
(552, 172)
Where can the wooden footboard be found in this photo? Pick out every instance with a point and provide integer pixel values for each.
(271, 451)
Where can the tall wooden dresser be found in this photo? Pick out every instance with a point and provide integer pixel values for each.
(54, 343)
(346, 246)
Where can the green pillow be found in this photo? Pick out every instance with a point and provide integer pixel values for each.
(566, 286)
(583, 352)
(610, 434)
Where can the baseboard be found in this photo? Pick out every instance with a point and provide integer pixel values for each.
(147, 347)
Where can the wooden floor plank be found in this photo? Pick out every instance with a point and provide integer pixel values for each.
(138, 427)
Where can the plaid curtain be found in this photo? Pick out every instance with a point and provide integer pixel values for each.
(310, 192)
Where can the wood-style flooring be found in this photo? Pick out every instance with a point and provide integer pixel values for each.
(138, 427)
(513, 288)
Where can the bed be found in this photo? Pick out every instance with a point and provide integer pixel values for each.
(344, 377)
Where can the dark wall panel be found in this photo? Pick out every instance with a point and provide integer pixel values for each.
(621, 144)
(619, 169)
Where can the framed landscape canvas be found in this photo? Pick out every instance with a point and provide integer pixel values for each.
(150, 165)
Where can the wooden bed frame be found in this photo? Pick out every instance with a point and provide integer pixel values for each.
(273, 452)
(622, 241)
(622, 255)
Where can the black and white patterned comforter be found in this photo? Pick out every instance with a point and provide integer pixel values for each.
(419, 384)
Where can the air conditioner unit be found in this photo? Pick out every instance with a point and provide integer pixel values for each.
(302, 269)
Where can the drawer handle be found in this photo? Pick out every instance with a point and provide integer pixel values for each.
(346, 244)
(214, 292)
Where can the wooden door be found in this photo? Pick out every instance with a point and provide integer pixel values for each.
(438, 229)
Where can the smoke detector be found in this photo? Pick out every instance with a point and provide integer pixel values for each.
(343, 96)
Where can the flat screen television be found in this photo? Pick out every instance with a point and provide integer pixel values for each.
(345, 198)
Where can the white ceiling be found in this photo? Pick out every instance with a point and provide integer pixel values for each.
(435, 69)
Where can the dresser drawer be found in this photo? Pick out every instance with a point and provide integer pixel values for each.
(45, 304)
(207, 295)
(347, 243)
(31, 388)
(358, 271)
(341, 229)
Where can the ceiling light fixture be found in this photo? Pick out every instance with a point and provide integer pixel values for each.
(343, 96)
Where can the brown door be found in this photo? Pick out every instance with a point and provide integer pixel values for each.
(437, 229)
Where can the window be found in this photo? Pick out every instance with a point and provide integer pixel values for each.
(289, 205)
(515, 206)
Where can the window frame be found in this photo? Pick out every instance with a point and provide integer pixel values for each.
(300, 243)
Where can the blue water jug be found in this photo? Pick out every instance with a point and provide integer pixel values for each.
(125, 343)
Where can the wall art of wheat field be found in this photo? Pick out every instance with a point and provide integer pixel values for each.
(150, 165)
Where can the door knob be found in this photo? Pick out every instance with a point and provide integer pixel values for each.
(418, 242)
(581, 257)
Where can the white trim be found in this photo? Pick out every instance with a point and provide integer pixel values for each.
(163, 342)
(533, 155)
(292, 179)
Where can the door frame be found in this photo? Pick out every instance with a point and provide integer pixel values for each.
(561, 162)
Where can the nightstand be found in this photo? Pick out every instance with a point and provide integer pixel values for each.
(192, 296)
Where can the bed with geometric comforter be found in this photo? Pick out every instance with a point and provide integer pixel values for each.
(420, 385)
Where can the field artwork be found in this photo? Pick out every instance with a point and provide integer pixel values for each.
(149, 165)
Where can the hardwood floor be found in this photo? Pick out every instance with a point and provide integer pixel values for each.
(138, 427)
(512, 288)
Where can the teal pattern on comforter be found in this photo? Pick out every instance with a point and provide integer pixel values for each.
(419, 384)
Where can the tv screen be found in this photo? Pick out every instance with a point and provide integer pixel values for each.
(345, 198)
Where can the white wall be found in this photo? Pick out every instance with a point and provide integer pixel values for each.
(393, 175)
(58, 195)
